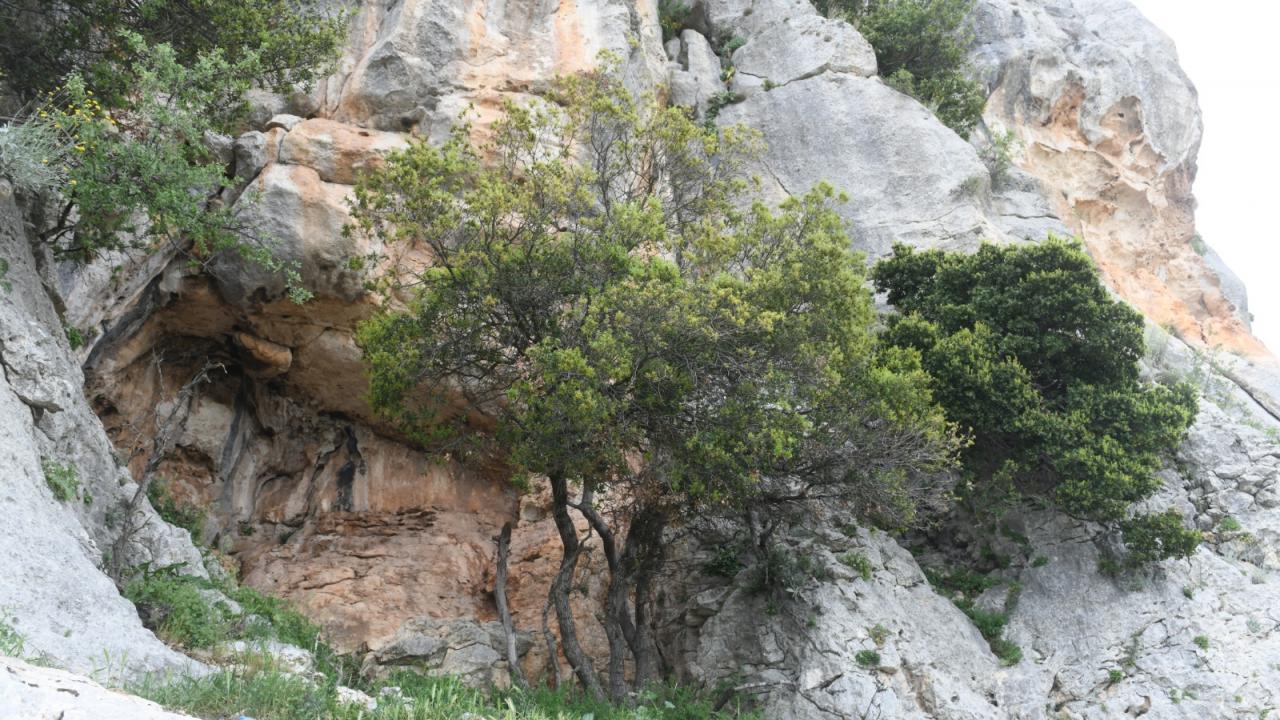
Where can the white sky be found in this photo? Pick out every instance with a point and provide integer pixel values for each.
(1229, 50)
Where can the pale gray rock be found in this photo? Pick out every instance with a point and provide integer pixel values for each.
(301, 216)
(28, 692)
(54, 593)
(699, 79)
(471, 650)
(803, 47)
(908, 177)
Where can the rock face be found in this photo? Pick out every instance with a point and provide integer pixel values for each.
(54, 593)
(1108, 122)
(392, 549)
(36, 693)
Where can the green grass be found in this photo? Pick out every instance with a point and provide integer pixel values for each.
(188, 517)
(1229, 524)
(868, 658)
(12, 643)
(858, 563)
(267, 694)
(1201, 641)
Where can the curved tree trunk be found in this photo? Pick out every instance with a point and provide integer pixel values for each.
(504, 612)
(559, 592)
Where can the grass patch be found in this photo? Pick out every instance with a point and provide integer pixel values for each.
(61, 478)
(267, 694)
(858, 563)
(868, 658)
(187, 517)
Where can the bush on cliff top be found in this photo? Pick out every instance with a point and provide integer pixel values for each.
(1026, 349)
(921, 49)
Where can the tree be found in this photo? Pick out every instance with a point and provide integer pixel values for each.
(600, 314)
(921, 48)
(123, 98)
(291, 43)
(1028, 351)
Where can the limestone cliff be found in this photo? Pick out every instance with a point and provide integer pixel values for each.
(391, 548)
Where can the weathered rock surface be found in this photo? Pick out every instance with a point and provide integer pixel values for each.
(53, 591)
(392, 548)
(1109, 123)
(28, 692)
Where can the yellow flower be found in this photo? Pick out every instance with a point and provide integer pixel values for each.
(73, 183)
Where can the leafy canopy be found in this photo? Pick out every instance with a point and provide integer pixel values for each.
(594, 299)
(291, 43)
(1028, 351)
(921, 48)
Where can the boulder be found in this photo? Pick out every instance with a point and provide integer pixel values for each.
(28, 692)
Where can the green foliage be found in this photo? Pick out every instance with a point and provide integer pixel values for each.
(1229, 524)
(1114, 676)
(187, 517)
(1157, 536)
(33, 155)
(1039, 561)
(185, 610)
(997, 155)
(672, 15)
(12, 643)
(868, 658)
(61, 478)
(1199, 245)
(1201, 641)
(173, 606)
(1028, 351)
(963, 587)
(291, 43)
(921, 48)
(858, 563)
(4, 276)
(726, 562)
(878, 634)
(121, 99)
(269, 694)
(75, 338)
(601, 311)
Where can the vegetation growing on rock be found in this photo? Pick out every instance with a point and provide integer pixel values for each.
(921, 47)
(615, 324)
(124, 103)
(1027, 350)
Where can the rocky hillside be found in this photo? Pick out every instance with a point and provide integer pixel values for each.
(391, 549)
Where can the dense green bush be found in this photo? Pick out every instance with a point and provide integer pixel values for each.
(921, 48)
(1028, 351)
(290, 42)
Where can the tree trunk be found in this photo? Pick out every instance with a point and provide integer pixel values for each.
(616, 618)
(504, 612)
(645, 555)
(559, 592)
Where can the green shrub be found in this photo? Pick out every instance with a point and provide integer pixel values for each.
(997, 155)
(1029, 353)
(12, 643)
(858, 563)
(293, 42)
(921, 48)
(1201, 641)
(187, 517)
(61, 478)
(726, 562)
(172, 605)
(868, 658)
(672, 15)
(1229, 524)
(1114, 676)
(878, 634)
(1158, 536)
